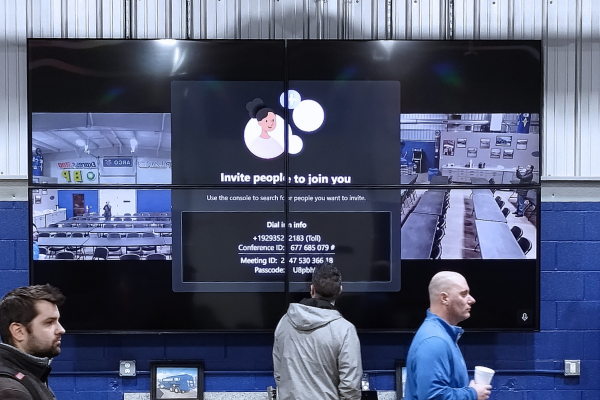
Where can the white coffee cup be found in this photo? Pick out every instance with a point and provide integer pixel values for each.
(483, 375)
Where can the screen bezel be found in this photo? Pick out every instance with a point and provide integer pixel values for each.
(291, 44)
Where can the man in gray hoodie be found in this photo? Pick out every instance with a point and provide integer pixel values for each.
(316, 354)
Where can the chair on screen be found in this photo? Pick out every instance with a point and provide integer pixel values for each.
(129, 256)
(114, 249)
(65, 255)
(436, 252)
(56, 249)
(517, 232)
(100, 253)
(156, 256)
(505, 212)
(148, 248)
(133, 249)
(501, 204)
(439, 235)
(525, 244)
(75, 249)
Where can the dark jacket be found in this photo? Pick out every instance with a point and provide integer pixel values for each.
(35, 369)
(526, 178)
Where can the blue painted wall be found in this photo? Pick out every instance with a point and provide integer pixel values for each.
(570, 328)
(65, 200)
(429, 160)
(153, 201)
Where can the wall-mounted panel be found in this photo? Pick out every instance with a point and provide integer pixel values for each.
(158, 19)
(421, 19)
(44, 18)
(257, 19)
(13, 106)
(526, 19)
(289, 19)
(562, 144)
(362, 19)
(76, 18)
(589, 108)
(508, 19)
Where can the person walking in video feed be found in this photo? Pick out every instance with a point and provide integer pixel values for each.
(525, 175)
(107, 211)
(435, 367)
(316, 354)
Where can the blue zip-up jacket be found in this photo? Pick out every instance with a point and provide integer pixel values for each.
(435, 367)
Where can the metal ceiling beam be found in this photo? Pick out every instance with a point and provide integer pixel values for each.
(87, 139)
(160, 136)
(118, 141)
(60, 139)
(39, 143)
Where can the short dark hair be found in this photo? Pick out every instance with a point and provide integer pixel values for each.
(263, 112)
(327, 281)
(18, 306)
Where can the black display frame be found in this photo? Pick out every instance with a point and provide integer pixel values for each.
(36, 97)
(156, 366)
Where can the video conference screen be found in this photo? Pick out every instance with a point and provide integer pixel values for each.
(202, 193)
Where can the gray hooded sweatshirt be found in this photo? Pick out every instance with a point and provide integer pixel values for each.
(316, 354)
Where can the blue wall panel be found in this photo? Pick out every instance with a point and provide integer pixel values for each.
(428, 148)
(90, 197)
(570, 323)
(153, 201)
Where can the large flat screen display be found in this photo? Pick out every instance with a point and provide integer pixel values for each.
(195, 185)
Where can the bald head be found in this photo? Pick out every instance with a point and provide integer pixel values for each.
(449, 297)
(443, 282)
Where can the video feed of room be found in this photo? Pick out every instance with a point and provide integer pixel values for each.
(89, 156)
(473, 186)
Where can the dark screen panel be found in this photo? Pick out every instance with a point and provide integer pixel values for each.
(434, 77)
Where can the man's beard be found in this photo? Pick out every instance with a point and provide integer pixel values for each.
(36, 349)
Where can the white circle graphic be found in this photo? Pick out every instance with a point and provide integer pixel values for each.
(263, 148)
(308, 115)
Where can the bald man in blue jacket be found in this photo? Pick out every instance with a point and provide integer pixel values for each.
(436, 369)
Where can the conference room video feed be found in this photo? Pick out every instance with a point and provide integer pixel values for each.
(338, 133)
(239, 240)
(473, 186)
(78, 161)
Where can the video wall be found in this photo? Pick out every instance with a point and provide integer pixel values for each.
(219, 185)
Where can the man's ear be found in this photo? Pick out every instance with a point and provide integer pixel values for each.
(341, 289)
(444, 298)
(18, 332)
(312, 291)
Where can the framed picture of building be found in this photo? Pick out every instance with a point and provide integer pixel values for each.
(505, 141)
(448, 148)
